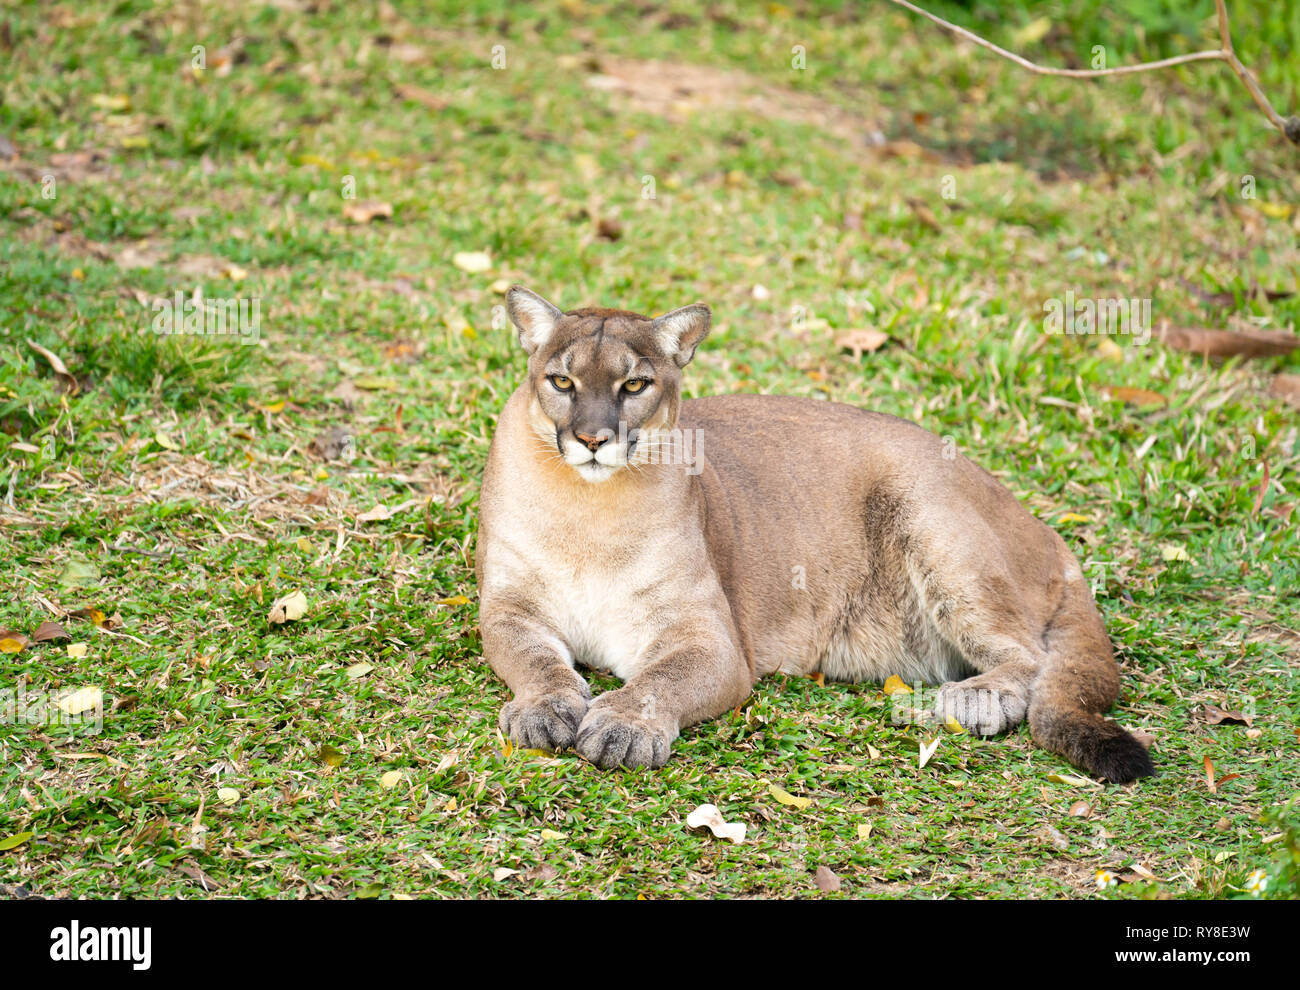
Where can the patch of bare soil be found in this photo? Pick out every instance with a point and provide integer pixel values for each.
(676, 90)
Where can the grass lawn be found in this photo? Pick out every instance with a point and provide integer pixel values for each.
(347, 168)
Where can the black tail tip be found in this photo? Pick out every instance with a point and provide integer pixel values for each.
(1122, 760)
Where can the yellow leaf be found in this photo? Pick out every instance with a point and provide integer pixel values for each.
(317, 161)
(78, 274)
(864, 830)
(472, 261)
(77, 650)
(358, 670)
(454, 600)
(1110, 350)
(133, 141)
(550, 833)
(304, 544)
(1278, 211)
(953, 726)
(1032, 33)
(873, 752)
(1069, 779)
(11, 645)
(228, 796)
(450, 805)
(507, 749)
(1173, 551)
(290, 608)
(82, 700)
(390, 780)
(1072, 517)
(894, 685)
(330, 756)
(536, 752)
(164, 439)
(785, 797)
(403, 897)
(115, 104)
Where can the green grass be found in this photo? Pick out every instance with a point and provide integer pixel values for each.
(197, 449)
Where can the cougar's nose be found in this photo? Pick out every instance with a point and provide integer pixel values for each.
(593, 443)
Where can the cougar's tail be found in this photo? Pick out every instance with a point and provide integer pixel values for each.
(1079, 682)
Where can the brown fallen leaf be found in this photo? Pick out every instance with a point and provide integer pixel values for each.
(289, 608)
(542, 872)
(424, 97)
(1081, 809)
(818, 678)
(924, 214)
(48, 631)
(362, 211)
(1135, 396)
(1217, 716)
(60, 369)
(858, 341)
(1229, 343)
(827, 882)
(1287, 388)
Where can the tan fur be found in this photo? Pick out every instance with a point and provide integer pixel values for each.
(805, 536)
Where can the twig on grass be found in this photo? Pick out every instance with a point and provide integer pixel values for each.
(1289, 126)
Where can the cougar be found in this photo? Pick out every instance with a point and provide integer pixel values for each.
(690, 548)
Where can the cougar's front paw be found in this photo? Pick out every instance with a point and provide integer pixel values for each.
(623, 731)
(982, 710)
(547, 722)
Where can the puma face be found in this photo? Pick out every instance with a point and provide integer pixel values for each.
(606, 383)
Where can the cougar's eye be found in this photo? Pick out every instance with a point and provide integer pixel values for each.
(635, 385)
(561, 383)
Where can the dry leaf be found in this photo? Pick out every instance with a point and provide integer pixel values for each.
(1287, 388)
(551, 834)
(953, 726)
(827, 882)
(1217, 716)
(872, 752)
(924, 213)
(1072, 517)
(77, 650)
(1081, 809)
(818, 678)
(708, 816)
(390, 780)
(359, 670)
(1173, 551)
(454, 600)
(1209, 776)
(12, 641)
(363, 211)
(472, 261)
(422, 96)
(1069, 779)
(894, 685)
(1135, 396)
(330, 756)
(503, 873)
(228, 796)
(60, 369)
(82, 700)
(864, 830)
(859, 341)
(928, 750)
(1229, 343)
(290, 608)
(48, 631)
(785, 797)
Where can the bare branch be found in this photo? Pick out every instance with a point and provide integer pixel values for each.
(1288, 126)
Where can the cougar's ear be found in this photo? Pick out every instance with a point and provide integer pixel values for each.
(681, 331)
(533, 315)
